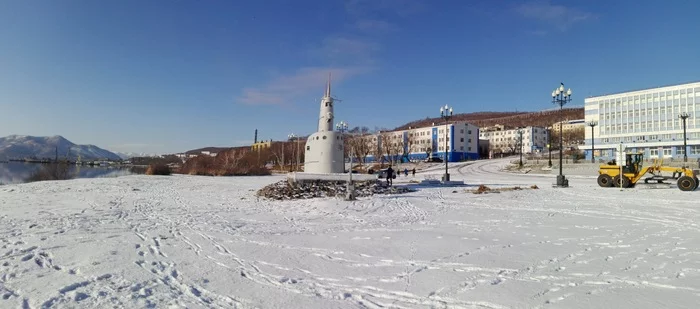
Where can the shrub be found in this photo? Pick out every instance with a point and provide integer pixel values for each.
(158, 169)
(53, 171)
(229, 163)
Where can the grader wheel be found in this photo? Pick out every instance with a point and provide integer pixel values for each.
(686, 183)
(624, 181)
(605, 181)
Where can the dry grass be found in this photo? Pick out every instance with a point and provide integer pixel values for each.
(158, 169)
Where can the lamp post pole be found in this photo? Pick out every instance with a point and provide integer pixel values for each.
(446, 113)
(684, 116)
(560, 96)
(592, 124)
(549, 145)
(520, 142)
(293, 136)
(342, 126)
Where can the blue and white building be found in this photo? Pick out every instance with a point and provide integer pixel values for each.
(645, 121)
(419, 143)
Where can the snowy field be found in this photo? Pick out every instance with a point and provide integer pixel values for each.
(206, 242)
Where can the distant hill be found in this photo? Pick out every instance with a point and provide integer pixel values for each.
(508, 119)
(213, 149)
(41, 147)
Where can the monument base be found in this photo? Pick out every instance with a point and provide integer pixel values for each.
(309, 177)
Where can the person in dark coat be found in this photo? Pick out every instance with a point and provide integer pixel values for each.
(389, 175)
(414, 172)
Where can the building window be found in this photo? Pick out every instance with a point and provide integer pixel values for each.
(680, 151)
(308, 147)
(324, 137)
(461, 140)
(461, 147)
(695, 149)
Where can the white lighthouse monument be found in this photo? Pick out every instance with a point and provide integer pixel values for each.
(324, 149)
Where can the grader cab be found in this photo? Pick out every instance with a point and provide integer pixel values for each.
(633, 171)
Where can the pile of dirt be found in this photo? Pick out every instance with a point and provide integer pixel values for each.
(482, 189)
(284, 190)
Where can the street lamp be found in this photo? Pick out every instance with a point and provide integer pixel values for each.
(560, 96)
(684, 116)
(520, 142)
(446, 113)
(342, 126)
(592, 124)
(293, 136)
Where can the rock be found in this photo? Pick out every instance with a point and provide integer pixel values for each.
(284, 190)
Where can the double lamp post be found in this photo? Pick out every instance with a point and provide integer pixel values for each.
(560, 97)
(446, 113)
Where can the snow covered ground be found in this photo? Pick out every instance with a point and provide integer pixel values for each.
(208, 242)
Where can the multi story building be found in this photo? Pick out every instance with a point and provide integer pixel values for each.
(507, 141)
(569, 126)
(645, 121)
(422, 143)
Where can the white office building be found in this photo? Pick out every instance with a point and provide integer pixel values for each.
(419, 143)
(645, 121)
(508, 141)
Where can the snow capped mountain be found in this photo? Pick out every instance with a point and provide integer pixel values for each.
(23, 146)
(129, 155)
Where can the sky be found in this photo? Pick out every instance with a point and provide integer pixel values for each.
(169, 76)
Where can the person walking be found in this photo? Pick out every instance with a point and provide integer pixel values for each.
(389, 175)
(405, 172)
(414, 172)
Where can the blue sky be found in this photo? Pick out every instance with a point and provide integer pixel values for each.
(169, 76)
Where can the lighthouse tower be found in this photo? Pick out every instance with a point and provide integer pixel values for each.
(324, 149)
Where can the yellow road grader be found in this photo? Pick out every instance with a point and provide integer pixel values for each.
(633, 171)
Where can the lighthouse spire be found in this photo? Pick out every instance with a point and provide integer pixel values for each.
(328, 86)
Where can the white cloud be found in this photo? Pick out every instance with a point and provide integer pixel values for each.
(343, 55)
(347, 50)
(557, 16)
(285, 89)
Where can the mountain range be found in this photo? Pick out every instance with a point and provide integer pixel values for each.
(40, 147)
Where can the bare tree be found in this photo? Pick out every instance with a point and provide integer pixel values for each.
(398, 147)
(388, 148)
(411, 143)
(377, 148)
(281, 153)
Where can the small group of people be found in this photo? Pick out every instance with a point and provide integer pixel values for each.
(390, 174)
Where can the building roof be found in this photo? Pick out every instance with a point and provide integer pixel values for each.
(642, 89)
